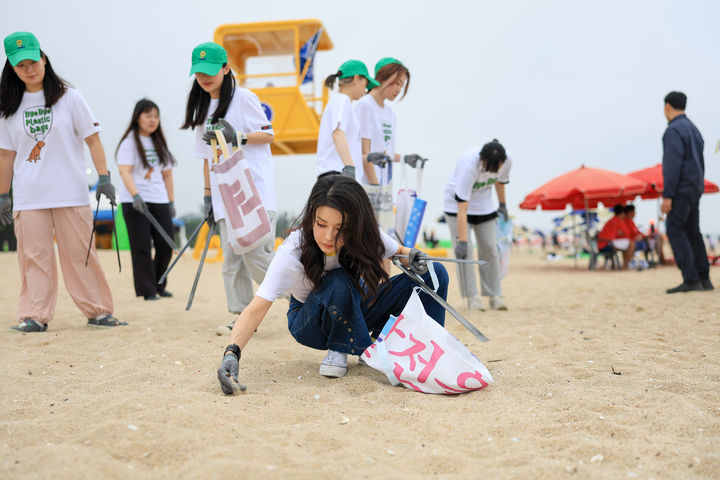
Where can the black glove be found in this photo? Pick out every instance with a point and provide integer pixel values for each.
(106, 188)
(348, 171)
(5, 209)
(208, 210)
(139, 203)
(502, 210)
(228, 374)
(379, 159)
(172, 209)
(418, 261)
(413, 159)
(461, 250)
(227, 130)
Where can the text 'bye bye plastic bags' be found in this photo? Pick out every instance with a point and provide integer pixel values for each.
(416, 351)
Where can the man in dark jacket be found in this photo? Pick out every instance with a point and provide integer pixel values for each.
(683, 178)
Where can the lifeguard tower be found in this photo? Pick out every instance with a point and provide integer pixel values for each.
(275, 60)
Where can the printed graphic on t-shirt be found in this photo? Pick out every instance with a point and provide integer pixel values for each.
(152, 159)
(37, 122)
(387, 131)
(487, 183)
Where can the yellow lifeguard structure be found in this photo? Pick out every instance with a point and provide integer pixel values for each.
(261, 55)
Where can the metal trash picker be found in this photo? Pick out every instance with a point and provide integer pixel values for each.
(419, 281)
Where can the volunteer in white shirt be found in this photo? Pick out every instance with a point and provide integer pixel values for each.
(332, 268)
(145, 165)
(43, 125)
(468, 205)
(216, 103)
(338, 145)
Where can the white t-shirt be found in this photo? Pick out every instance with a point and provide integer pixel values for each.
(49, 169)
(338, 114)
(149, 181)
(287, 275)
(246, 116)
(379, 125)
(472, 184)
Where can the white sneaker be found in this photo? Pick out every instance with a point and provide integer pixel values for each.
(476, 304)
(496, 303)
(225, 329)
(334, 364)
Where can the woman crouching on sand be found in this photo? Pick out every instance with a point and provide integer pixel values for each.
(331, 265)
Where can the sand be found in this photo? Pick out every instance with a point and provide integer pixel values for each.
(597, 375)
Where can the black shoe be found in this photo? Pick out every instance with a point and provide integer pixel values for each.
(686, 287)
(28, 326)
(165, 294)
(707, 284)
(107, 321)
(152, 297)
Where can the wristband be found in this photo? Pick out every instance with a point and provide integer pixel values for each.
(234, 349)
(243, 139)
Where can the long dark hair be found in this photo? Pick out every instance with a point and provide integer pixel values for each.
(12, 88)
(199, 102)
(157, 137)
(391, 69)
(362, 251)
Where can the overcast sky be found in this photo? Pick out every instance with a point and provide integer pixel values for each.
(559, 83)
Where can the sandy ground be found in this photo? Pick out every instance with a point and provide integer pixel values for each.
(144, 402)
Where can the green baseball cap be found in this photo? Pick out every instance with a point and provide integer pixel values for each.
(208, 58)
(356, 67)
(21, 46)
(385, 61)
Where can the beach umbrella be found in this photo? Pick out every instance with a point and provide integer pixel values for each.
(584, 188)
(653, 176)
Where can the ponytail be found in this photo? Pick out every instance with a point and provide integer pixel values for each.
(330, 80)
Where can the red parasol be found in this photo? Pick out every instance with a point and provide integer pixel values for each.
(653, 176)
(584, 188)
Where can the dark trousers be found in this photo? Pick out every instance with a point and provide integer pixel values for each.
(686, 241)
(335, 317)
(142, 235)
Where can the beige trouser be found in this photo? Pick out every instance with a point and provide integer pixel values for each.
(87, 286)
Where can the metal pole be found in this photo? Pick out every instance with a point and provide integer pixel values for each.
(200, 267)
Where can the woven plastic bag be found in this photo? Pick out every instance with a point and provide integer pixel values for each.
(504, 230)
(414, 350)
(247, 221)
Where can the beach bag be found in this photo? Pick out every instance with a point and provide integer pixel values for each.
(415, 351)
(410, 210)
(504, 236)
(247, 221)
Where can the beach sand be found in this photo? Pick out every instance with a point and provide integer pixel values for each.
(144, 402)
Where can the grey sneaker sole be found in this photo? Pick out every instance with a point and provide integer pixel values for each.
(333, 371)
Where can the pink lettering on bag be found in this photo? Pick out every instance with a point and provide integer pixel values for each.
(429, 365)
(463, 378)
(398, 370)
(395, 328)
(410, 352)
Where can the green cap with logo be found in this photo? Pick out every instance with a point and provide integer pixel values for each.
(21, 46)
(356, 67)
(208, 58)
(385, 61)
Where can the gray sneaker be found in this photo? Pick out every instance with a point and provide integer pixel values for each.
(476, 304)
(29, 326)
(496, 303)
(334, 364)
